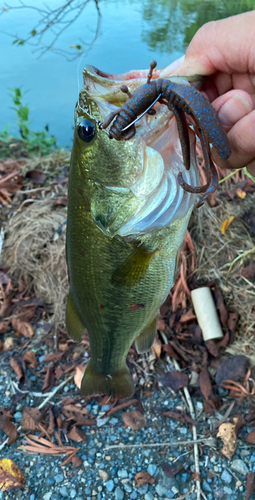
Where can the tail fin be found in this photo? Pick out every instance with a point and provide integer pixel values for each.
(119, 385)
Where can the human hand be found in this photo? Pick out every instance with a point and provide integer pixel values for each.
(225, 51)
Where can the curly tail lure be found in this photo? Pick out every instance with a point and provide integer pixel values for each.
(180, 99)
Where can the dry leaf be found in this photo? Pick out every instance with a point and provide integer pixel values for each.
(36, 176)
(49, 379)
(226, 224)
(251, 437)
(205, 383)
(30, 359)
(53, 357)
(7, 426)
(9, 344)
(156, 347)
(161, 324)
(11, 477)
(232, 368)
(31, 417)
(250, 485)
(134, 419)
(23, 327)
(240, 193)
(16, 367)
(175, 379)
(79, 372)
(77, 434)
(180, 416)
(170, 470)
(143, 478)
(227, 433)
(249, 271)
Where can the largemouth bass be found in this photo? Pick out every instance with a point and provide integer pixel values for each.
(127, 216)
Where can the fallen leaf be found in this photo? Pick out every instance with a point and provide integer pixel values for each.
(76, 461)
(250, 485)
(212, 348)
(175, 380)
(77, 434)
(161, 324)
(226, 224)
(168, 349)
(9, 344)
(249, 271)
(232, 321)
(188, 316)
(79, 372)
(31, 417)
(7, 426)
(170, 470)
(232, 368)
(11, 478)
(180, 416)
(49, 379)
(30, 359)
(143, 478)
(53, 357)
(251, 437)
(36, 176)
(134, 419)
(157, 346)
(227, 433)
(16, 367)
(205, 383)
(220, 305)
(240, 193)
(23, 327)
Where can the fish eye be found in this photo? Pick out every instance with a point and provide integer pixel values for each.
(86, 130)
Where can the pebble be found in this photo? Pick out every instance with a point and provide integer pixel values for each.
(64, 492)
(206, 486)
(73, 493)
(47, 496)
(59, 478)
(227, 490)
(239, 466)
(148, 496)
(56, 496)
(143, 489)
(127, 488)
(152, 470)
(18, 416)
(225, 476)
(170, 495)
(109, 485)
(161, 490)
(103, 475)
(119, 494)
(50, 481)
(122, 473)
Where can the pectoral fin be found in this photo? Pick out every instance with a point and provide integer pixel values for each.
(73, 324)
(118, 385)
(146, 338)
(134, 268)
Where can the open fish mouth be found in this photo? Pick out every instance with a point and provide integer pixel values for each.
(161, 199)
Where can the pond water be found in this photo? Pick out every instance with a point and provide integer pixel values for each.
(113, 35)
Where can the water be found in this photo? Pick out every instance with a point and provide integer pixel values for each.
(130, 34)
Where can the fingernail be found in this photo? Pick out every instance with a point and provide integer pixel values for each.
(233, 110)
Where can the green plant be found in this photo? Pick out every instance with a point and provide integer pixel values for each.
(32, 141)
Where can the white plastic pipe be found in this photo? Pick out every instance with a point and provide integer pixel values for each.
(206, 313)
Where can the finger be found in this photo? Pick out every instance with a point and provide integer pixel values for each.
(232, 107)
(242, 142)
(251, 168)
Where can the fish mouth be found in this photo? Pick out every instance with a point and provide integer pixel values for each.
(162, 200)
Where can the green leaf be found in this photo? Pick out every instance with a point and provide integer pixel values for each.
(249, 175)
(78, 47)
(21, 42)
(33, 32)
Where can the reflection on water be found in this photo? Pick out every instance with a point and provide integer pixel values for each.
(130, 34)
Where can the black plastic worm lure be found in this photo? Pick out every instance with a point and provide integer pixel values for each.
(181, 99)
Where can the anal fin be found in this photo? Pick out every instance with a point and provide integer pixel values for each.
(118, 385)
(146, 338)
(74, 326)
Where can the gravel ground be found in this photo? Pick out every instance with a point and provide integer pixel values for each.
(110, 474)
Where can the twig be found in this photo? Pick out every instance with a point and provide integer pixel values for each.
(206, 441)
(229, 175)
(52, 393)
(194, 429)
